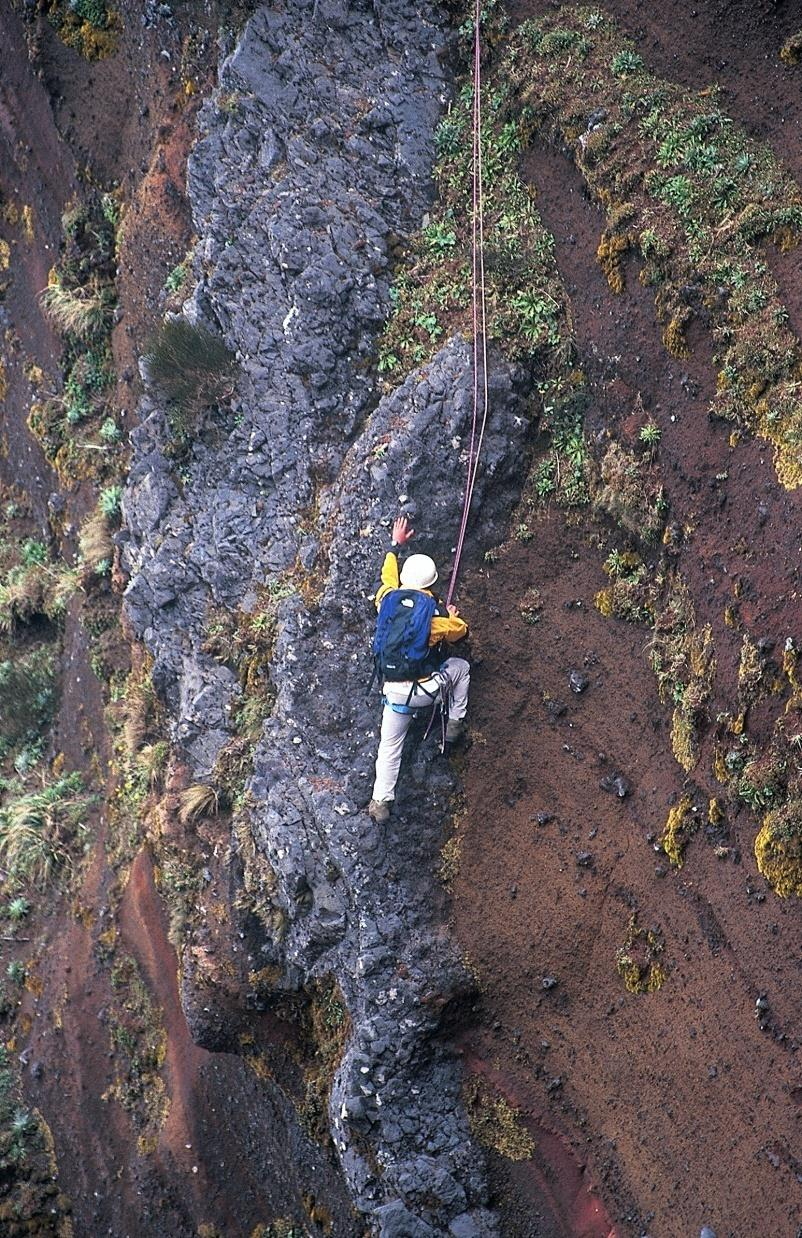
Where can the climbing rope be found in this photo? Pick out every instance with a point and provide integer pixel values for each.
(479, 349)
(479, 309)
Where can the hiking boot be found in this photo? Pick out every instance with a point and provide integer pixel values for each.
(379, 811)
(455, 729)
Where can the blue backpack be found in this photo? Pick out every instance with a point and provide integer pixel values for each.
(401, 643)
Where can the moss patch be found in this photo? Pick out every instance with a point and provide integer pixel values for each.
(680, 825)
(139, 1044)
(778, 849)
(639, 960)
(90, 27)
(496, 1124)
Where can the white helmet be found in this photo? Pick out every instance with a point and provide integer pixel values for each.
(418, 572)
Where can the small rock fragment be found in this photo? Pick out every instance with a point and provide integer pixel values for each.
(578, 681)
(616, 784)
(549, 982)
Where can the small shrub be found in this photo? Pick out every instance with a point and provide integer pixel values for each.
(110, 431)
(33, 552)
(650, 434)
(37, 830)
(192, 368)
(27, 694)
(440, 237)
(109, 501)
(16, 972)
(626, 62)
(18, 909)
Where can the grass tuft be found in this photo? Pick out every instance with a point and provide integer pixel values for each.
(192, 368)
(198, 801)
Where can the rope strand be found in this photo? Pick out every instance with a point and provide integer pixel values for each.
(479, 308)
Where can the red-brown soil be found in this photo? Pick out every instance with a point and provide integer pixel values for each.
(679, 1108)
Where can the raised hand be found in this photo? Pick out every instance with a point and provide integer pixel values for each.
(401, 531)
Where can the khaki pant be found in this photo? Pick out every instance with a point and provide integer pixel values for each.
(454, 675)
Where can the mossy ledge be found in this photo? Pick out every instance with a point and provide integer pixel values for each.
(686, 190)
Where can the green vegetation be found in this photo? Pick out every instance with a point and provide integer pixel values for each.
(527, 311)
(91, 27)
(27, 698)
(31, 1201)
(139, 1041)
(685, 188)
(41, 830)
(327, 1026)
(31, 585)
(77, 429)
(525, 303)
(193, 369)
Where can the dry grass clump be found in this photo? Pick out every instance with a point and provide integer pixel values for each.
(82, 312)
(95, 544)
(199, 800)
(33, 586)
(630, 492)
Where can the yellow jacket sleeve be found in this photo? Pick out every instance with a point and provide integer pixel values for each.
(448, 628)
(390, 578)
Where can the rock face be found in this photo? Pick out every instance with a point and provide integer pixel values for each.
(316, 157)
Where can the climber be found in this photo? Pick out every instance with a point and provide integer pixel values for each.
(411, 630)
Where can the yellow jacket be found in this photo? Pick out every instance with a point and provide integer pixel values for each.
(444, 626)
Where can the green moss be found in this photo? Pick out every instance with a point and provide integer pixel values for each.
(328, 1026)
(791, 50)
(90, 27)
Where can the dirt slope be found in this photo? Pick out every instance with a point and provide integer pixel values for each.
(684, 1110)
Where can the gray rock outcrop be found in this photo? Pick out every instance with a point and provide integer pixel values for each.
(315, 160)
